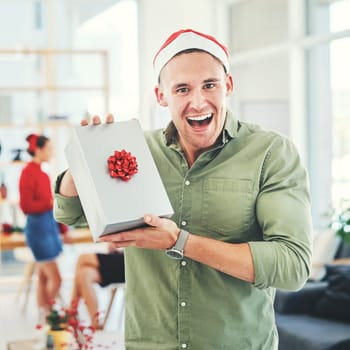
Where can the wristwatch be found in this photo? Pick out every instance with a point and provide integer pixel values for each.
(177, 251)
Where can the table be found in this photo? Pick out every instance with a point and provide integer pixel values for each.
(15, 240)
(21, 345)
(103, 340)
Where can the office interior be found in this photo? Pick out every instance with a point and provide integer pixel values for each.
(65, 60)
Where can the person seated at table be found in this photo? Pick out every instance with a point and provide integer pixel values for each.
(96, 268)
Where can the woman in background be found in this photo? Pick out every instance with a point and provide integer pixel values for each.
(41, 230)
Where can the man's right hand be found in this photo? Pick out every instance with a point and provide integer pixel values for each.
(96, 120)
(67, 186)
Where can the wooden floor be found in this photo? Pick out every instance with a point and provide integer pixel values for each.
(16, 324)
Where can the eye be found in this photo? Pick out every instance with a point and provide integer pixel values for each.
(209, 86)
(182, 90)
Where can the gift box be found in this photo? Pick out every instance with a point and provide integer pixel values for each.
(115, 195)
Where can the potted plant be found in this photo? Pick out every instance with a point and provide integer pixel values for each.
(58, 333)
(7, 229)
(65, 329)
(341, 225)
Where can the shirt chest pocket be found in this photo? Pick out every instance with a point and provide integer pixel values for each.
(227, 206)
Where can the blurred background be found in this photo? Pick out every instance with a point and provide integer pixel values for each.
(62, 60)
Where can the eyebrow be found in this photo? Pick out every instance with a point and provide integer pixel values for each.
(210, 80)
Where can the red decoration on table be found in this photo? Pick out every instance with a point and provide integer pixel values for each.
(122, 164)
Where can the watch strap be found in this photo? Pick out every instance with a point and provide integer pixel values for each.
(181, 240)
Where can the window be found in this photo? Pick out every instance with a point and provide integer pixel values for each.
(329, 102)
(340, 95)
(299, 60)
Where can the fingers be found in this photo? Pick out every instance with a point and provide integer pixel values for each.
(109, 118)
(96, 120)
(152, 220)
(115, 237)
(116, 246)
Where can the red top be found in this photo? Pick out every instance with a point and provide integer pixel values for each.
(35, 190)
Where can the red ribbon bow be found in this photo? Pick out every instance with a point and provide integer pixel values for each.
(122, 164)
(33, 139)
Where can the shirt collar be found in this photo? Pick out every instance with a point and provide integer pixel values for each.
(230, 130)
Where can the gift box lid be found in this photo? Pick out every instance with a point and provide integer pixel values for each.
(111, 204)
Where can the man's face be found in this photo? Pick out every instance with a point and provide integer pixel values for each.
(194, 86)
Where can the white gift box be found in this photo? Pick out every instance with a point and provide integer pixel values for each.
(111, 204)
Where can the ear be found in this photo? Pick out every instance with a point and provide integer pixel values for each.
(229, 85)
(160, 96)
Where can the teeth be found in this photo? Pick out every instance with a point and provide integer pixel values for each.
(200, 118)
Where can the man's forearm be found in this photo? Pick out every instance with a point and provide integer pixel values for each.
(233, 259)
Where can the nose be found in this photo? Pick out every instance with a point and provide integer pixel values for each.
(197, 99)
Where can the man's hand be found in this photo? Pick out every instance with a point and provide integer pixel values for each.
(67, 187)
(96, 120)
(161, 234)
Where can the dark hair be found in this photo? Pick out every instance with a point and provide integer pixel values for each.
(35, 141)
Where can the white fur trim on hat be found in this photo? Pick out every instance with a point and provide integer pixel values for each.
(189, 39)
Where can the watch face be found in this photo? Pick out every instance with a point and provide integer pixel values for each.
(175, 254)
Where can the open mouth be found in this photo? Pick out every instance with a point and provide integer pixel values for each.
(198, 121)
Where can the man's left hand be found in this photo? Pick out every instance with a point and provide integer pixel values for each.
(161, 233)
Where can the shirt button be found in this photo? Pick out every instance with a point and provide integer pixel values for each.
(183, 223)
(183, 263)
(183, 303)
(184, 346)
(187, 182)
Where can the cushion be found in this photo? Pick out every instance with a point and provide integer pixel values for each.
(302, 301)
(306, 332)
(335, 302)
(325, 246)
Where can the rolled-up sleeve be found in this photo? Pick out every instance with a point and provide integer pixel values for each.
(68, 210)
(283, 258)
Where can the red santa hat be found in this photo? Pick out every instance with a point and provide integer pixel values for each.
(185, 39)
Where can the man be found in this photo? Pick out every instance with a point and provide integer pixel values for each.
(242, 215)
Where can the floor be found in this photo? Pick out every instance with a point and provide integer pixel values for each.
(18, 323)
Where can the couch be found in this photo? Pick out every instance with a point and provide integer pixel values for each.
(317, 317)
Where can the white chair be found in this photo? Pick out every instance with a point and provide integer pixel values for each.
(116, 289)
(24, 254)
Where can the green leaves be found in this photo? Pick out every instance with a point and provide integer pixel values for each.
(341, 224)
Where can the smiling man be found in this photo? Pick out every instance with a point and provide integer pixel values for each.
(206, 279)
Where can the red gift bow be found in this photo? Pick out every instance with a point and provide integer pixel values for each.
(122, 164)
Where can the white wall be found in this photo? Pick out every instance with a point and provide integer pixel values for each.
(261, 77)
(263, 83)
(257, 23)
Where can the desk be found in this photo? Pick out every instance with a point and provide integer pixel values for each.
(102, 340)
(15, 240)
(21, 345)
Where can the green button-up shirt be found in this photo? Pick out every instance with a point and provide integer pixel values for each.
(250, 188)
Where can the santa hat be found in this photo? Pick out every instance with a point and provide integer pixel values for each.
(185, 39)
